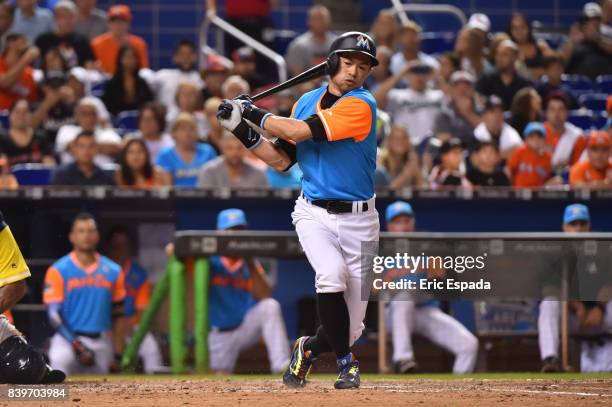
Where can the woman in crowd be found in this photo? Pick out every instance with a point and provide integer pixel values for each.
(526, 107)
(384, 29)
(126, 90)
(215, 131)
(470, 48)
(152, 129)
(135, 168)
(20, 143)
(399, 160)
(449, 63)
(531, 52)
(188, 99)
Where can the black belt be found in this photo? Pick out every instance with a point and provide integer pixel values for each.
(96, 335)
(334, 206)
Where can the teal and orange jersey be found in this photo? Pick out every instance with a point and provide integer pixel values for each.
(230, 292)
(87, 294)
(343, 166)
(137, 290)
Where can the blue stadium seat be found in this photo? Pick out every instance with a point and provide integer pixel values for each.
(604, 84)
(127, 121)
(4, 118)
(32, 174)
(599, 120)
(582, 119)
(579, 84)
(97, 89)
(594, 101)
(437, 42)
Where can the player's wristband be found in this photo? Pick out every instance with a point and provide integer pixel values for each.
(256, 115)
(247, 136)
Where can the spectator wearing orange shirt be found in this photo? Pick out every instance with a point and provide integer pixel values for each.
(16, 79)
(566, 141)
(596, 171)
(106, 46)
(530, 164)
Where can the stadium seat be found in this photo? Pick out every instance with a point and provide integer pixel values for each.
(604, 84)
(4, 118)
(579, 84)
(437, 42)
(594, 101)
(33, 174)
(582, 119)
(97, 89)
(127, 121)
(599, 120)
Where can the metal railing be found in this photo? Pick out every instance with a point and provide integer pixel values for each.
(401, 9)
(245, 38)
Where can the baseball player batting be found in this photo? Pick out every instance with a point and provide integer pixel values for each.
(331, 134)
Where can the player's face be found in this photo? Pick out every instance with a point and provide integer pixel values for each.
(401, 224)
(578, 226)
(84, 235)
(353, 70)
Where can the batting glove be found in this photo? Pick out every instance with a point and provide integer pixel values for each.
(251, 112)
(84, 355)
(229, 117)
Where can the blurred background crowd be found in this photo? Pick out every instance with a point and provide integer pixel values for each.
(81, 105)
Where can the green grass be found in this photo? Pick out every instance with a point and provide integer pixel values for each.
(366, 377)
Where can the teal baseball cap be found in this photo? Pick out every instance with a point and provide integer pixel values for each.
(576, 212)
(229, 218)
(534, 127)
(398, 208)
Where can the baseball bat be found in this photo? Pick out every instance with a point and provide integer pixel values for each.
(312, 73)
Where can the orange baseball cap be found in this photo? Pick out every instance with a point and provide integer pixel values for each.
(120, 11)
(599, 139)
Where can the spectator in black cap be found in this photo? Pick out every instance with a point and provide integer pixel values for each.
(245, 66)
(504, 81)
(486, 170)
(495, 130)
(449, 171)
(459, 115)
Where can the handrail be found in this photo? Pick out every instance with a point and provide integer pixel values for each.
(427, 8)
(250, 41)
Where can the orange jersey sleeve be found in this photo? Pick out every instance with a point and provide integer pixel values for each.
(350, 117)
(54, 287)
(143, 296)
(119, 288)
(578, 172)
(578, 149)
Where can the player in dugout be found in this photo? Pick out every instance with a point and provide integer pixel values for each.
(19, 362)
(84, 293)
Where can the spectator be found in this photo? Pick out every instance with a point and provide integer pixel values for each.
(551, 82)
(152, 129)
(495, 130)
(83, 171)
(135, 168)
(526, 108)
(21, 143)
(449, 63)
(215, 131)
(108, 143)
(398, 159)
(587, 51)
(31, 20)
(482, 24)
(596, 171)
(566, 141)
(188, 99)
(529, 165)
(16, 76)
(231, 168)
(606, 19)
(235, 86)
(214, 76)
(414, 108)
(312, 47)
(7, 179)
(410, 49)
(7, 15)
(470, 48)
(531, 52)
(186, 158)
(496, 40)
(107, 46)
(504, 81)
(91, 21)
(244, 65)
(166, 81)
(381, 72)
(459, 115)
(486, 170)
(384, 30)
(74, 47)
(449, 172)
(126, 90)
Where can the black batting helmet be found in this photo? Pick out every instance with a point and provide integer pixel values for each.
(352, 41)
(20, 363)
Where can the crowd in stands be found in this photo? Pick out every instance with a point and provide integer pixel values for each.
(500, 109)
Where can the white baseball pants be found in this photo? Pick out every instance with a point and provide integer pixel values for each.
(62, 356)
(333, 246)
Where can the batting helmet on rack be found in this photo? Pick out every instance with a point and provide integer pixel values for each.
(352, 41)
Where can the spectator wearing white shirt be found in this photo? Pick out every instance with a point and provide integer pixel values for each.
(165, 82)
(495, 130)
(87, 120)
(414, 108)
(410, 49)
(152, 129)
